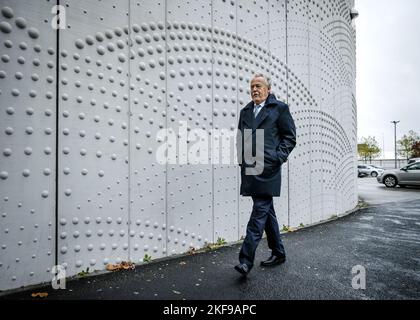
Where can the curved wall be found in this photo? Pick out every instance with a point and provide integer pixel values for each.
(82, 109)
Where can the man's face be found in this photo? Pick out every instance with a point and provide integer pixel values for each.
(259, 90)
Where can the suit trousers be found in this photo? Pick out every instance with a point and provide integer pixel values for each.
(263, 217)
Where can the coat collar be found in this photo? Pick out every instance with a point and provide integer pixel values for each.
(264, 113)
(271, 99)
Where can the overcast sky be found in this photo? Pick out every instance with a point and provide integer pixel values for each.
(388, 69)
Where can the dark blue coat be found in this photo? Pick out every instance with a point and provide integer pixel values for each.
(279, 141)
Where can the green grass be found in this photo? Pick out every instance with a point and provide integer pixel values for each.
(213, 246)
(83, 273)
(147, 258)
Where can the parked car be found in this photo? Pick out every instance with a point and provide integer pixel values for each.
(380, 168)
(413, 160)
(361, 174)
(406, 176)
(368, 170)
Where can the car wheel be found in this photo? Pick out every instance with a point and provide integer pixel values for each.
(390, 181)
(374, 174)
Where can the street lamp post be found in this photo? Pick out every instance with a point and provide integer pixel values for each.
(395, 140)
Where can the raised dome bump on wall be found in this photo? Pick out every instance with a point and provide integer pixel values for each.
(129, 69)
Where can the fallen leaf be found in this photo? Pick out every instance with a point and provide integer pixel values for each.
(176, 292)
(192, 250)
(182, 263)
(128, 265)
(39, 294)
(111, 267)
(120, 266)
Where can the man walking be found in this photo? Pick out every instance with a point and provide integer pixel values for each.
(271, 117)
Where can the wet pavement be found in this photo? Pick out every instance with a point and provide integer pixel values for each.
(375, 193)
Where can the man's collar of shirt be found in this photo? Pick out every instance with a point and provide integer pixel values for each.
(261, 104)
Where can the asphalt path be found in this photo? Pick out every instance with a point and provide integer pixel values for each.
(375, 193)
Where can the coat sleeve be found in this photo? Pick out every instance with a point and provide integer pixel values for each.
(287, 134)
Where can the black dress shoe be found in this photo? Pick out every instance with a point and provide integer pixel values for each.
(273, 261)
(242, 269)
